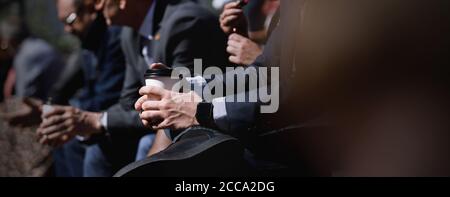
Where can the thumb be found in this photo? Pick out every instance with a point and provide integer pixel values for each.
(157, 66)
(32, 102)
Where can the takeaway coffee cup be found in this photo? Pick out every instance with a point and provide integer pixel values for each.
(47, 107)
(161, 78)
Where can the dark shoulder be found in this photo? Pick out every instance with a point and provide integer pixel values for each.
(115, 32)
(189, 10)
(113, 37)
(128, 36)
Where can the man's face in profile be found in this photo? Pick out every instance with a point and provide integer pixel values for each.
(76, 20)
(111, 11)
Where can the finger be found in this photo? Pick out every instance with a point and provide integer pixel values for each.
(232, 12)
(233, 43)
(232, 50)
(43, 140)
(32, 102)
(139, 102)
(145, 123)
(231, 5)
(53, 142)
(234, 59)
(62, 140)
(162, 125)
(153, 90)
(236, 37)
(152, 116)
(229, 20)
(55, 136)
(66, 138)
(158, 66)
(53, 129)
(151, 105)
(56, 110)
(53, 120)
(40, 131)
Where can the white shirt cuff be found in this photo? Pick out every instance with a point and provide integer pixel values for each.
(220, 113)
(104, 120)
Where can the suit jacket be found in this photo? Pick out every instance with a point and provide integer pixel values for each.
(103, 67)
(182, 31)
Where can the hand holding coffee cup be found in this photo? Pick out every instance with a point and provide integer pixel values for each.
(159, 76)
(47, 107)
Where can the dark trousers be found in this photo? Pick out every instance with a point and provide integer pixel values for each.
(68, 159)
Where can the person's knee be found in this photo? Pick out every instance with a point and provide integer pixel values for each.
(95, 163)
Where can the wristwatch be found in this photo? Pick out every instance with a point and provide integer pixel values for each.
(205, 115)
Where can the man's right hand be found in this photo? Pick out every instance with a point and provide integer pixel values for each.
(65, 122)
(28, 115)
(233, 18)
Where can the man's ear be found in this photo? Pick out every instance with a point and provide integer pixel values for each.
(99, 5)
(122, 4)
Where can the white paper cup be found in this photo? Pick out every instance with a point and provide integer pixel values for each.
(46, 109)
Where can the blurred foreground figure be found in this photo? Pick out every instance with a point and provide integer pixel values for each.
(379, 72)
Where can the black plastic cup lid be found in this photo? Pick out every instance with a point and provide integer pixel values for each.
(158, 73)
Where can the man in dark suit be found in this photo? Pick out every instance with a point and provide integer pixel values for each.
(175, 34)
(102, 68)
(171, 32)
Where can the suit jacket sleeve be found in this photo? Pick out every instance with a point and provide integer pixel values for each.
(122, 117)
(190, 34)
(110, 74)
(241, 117)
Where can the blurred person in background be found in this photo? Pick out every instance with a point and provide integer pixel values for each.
(103, 66)
(35, 63)
(30, 65)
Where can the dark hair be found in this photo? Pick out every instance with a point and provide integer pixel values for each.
(78, 3)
